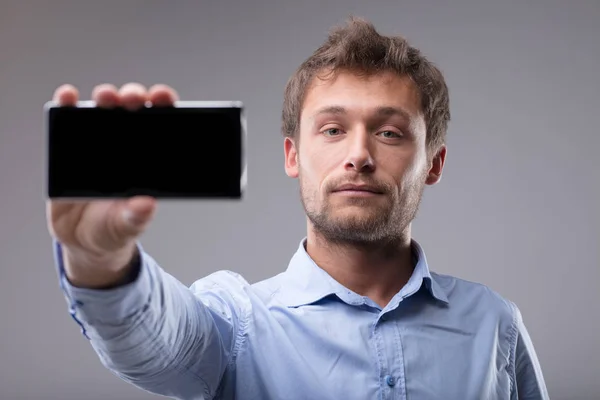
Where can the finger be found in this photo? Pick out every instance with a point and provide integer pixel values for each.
(66, 95)
(135, 214)
(61, 212)
(133, 96)
(57, 208)
(106, 95)
(162, 95)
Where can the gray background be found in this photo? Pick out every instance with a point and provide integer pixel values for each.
(516, 209)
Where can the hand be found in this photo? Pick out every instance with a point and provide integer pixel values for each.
(99, 237)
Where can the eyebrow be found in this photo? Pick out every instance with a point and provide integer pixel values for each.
(384, 111)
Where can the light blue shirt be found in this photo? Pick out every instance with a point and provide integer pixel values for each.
(302, 335)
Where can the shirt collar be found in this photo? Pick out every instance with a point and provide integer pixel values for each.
(305, 282)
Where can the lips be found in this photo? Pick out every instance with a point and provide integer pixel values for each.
(358, 188)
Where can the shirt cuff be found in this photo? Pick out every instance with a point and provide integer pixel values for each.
(106, 306)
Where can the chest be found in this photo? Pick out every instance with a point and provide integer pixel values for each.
(335, 351)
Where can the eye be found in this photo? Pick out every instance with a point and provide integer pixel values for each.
(390, 134)
(332, 132)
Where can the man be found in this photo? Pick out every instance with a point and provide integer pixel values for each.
(357, 314)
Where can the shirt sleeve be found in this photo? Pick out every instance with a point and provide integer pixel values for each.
(529, 379)
(158, 334)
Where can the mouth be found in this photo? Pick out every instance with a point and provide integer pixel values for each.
(358, 190)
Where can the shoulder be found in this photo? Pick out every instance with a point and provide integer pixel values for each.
(232, 287)
(229, 281)
(477, 299)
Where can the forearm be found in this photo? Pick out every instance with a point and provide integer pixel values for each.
(154, 332)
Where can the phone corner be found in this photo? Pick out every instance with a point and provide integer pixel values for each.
(49, 105)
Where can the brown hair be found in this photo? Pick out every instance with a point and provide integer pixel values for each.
(357, 46)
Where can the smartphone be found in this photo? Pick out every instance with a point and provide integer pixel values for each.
(191, 150)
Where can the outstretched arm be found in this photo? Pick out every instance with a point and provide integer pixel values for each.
(156, 333)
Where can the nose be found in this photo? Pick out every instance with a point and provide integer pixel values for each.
(359, 158)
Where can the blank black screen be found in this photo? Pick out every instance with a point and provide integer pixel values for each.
(167, 152)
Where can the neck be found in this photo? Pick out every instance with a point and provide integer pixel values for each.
(377, 271)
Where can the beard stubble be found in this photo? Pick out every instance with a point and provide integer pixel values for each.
(376, 223)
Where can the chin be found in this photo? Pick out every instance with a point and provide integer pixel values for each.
(358, 210)
(357, 220)
(352, 214)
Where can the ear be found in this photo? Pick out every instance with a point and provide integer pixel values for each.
(291, 157)
(436, 167)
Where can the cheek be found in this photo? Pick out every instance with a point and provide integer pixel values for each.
(415, 170)
(405, 168)
(317, 163)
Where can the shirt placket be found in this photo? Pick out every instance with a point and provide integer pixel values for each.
(390, 358)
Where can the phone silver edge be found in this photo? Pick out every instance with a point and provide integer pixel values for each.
(179, 104)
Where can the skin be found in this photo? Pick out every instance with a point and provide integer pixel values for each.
(362, 130)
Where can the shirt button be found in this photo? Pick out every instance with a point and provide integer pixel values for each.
(390, 380)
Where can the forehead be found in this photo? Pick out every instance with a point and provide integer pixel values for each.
(362, 92)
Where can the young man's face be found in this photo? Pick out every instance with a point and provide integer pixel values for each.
(366, 131)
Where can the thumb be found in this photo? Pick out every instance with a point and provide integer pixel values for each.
(134, 216)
